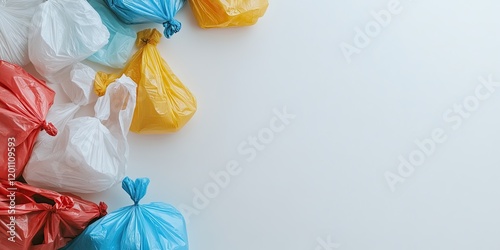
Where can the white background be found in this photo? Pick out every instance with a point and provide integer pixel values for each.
(322, 178)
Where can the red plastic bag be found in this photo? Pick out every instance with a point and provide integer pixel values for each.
(34, 218)
(24, 103)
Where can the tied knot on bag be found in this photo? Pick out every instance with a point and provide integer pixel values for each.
(135, 189)
(103, 209)
(49, 128)
(63, 203)
(172, 26)
(102, 81)
(147, 36)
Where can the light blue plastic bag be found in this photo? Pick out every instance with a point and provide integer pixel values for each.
(149, 11)
(137, 227)
(121, 40)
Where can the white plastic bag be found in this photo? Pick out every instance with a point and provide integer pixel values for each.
(64, 32)
(77, 82)
(15, 20)
(89, 154)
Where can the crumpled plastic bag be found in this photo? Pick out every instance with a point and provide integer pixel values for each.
(149, 11)
(77, 83)
(35, 218)
(90, 154)
(121, 41)
(15, 20)
(62, 33)
(228, 13)
(24, 103)
(164, 104)
(140, 227)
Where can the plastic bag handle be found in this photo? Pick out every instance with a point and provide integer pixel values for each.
(136, 189)
(172, 26)
(49, 128)
(148, 36)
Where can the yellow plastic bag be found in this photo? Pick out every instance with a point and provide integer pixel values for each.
(228, 13)
(164, 104)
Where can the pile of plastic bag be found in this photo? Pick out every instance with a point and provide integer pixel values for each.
(49, 148)
(90, 153)
(164, 104)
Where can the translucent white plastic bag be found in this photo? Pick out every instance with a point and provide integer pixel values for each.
(64, 32)
(15, 20)
(77, 82)
(89, 154)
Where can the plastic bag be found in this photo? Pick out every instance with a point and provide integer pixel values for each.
(15, 20)
(164, 104)
(62, 33)
(24, 104)
(141, 227)
(149, 11)
(228, 13)
(35, 218)
(121, 41)
(77, 83)
(90, 154)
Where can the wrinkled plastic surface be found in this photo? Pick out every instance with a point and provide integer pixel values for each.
(149, 11)
(24, 103)
(121, 40)
(140, 227)
(164, 104)
(62, 33)
(90, 154)
(77, 81)
(228, 13)
(44, 219)
(15, 20)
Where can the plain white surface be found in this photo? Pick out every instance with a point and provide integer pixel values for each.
(322, 178)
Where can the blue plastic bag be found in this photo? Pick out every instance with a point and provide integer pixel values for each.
(143, 227)
(121, 40)
(149, 11)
